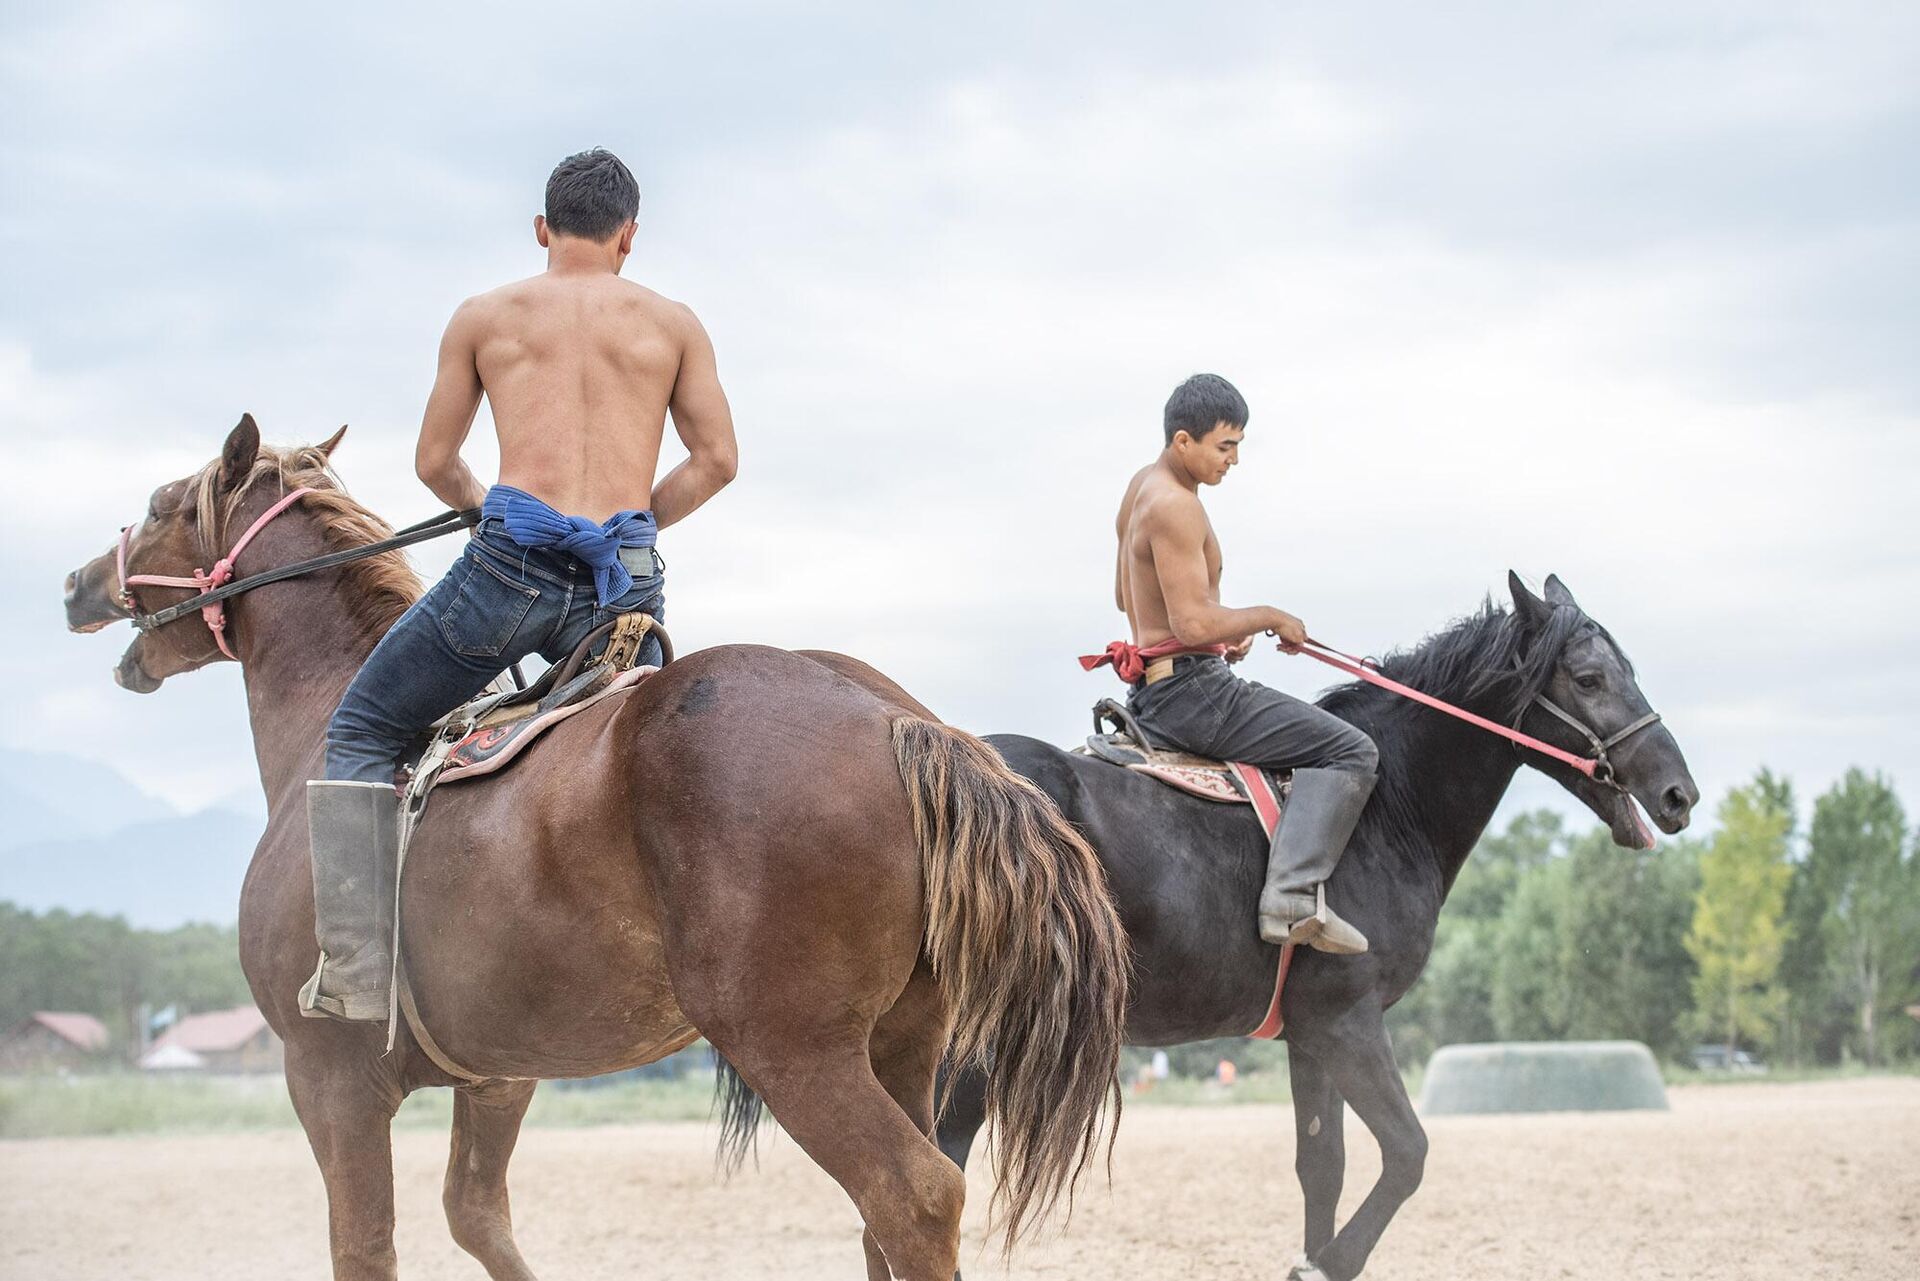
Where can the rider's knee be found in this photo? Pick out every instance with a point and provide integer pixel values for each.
(357, 750)
(1359, 754)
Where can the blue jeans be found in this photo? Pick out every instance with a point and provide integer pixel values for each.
(499, 603)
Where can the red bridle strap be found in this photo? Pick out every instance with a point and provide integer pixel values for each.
(1366, 671)
(214, 612)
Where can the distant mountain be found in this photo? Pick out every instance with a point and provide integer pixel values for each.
(47, 796)
(157, 874)
(245, 800)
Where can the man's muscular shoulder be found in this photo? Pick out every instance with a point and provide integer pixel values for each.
(1163, 506)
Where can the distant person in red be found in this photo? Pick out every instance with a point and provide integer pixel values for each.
(1167, 582)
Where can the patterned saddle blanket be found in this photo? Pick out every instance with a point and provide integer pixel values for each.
(1230, 782)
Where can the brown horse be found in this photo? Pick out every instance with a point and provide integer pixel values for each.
(750, 846)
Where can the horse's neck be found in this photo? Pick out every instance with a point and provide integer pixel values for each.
(1446, 778)
(299, 647)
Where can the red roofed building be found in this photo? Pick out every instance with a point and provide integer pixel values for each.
(236, 1040)
(48, 1040)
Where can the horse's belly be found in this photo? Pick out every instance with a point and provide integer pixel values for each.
(541, 968)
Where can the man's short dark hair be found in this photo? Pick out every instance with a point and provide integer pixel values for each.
(591, 195)
(1202, 403)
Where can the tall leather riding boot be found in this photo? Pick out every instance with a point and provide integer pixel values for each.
(1320, 814)
(354, 829)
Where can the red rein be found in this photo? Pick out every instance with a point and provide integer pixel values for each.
(1366, 671)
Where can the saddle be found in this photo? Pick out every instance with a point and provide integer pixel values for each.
(1230, 782)
(482, 735)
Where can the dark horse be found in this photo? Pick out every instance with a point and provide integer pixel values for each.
(749, 846)
(1187, 874)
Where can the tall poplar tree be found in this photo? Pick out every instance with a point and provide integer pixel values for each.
(1868, 919)
(1738, 915)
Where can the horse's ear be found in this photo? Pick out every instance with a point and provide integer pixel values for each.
(1532, 610)
(1557, 593)
(238, 454)
(332, 442)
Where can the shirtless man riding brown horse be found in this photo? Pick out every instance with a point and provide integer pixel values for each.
(1182, 693)
(782, 852)
(580, 369)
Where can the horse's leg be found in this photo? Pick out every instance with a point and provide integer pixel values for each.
(960, 1109)
(1320, 1150)
(1358, 1057)
(905, 1051)
(486, 1123)
(823, 1092)
(962, 1094)
(346, 1099)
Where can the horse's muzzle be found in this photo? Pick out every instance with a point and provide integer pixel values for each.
(129, 675)
(90, 607)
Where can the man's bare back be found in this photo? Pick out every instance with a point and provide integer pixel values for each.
(580, 368)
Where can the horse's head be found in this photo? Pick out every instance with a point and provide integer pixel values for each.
(1576, 668)
(186, 527)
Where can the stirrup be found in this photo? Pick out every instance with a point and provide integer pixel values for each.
(1309, 927)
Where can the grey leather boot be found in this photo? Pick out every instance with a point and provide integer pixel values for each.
(1322, 809)
(354, 830)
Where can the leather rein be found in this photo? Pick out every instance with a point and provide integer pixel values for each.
(218, 586)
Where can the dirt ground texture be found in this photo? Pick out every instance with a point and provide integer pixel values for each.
(1818, 1179)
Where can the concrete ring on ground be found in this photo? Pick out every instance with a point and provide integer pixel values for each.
(1543, 1076)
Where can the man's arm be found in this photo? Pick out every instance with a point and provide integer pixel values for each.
(450, 409)
(1177, 532)
(704, 423)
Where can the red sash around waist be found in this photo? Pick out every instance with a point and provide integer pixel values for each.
(1129, 661)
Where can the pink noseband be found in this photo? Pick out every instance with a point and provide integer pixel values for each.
(214, 612)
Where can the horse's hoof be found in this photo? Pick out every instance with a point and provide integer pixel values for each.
(1306, 1270)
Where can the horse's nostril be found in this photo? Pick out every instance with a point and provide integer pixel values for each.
(1675, 800)
(72, 584)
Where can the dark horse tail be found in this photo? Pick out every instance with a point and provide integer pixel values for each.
(1030, 955)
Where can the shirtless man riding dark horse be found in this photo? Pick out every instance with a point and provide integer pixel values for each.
(580, 368)
(1539, 684)
(1182, 692)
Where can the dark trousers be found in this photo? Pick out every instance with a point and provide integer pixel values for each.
(1205, 709)
(499, 603)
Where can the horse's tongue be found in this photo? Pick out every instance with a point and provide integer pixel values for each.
(1640, 827)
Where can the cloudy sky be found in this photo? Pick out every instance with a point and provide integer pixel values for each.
(1623, 291)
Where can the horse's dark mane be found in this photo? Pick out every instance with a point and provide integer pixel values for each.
(1486, 659)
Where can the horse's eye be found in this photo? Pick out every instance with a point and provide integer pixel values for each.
(1589, 680)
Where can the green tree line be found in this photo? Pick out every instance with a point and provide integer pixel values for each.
(1801, 946)
(102, 966)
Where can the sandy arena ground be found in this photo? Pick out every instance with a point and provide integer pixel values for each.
(1816, 1180)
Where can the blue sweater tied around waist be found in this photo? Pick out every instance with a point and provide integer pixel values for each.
(532, 523)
